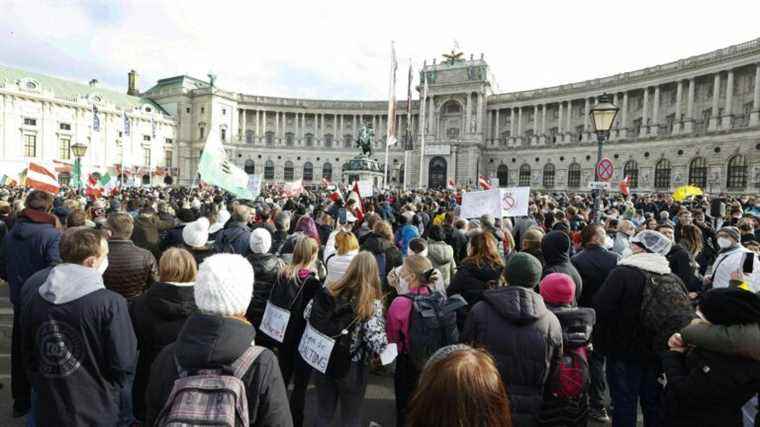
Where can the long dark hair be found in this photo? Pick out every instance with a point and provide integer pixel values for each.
(483, 250)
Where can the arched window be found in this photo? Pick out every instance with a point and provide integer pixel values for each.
(348, 139)
(698, 172)
(327, 171)
(308, 171)
(574, 175)
(662, 174)
(288, 171)
(249, 167)
(737, 173)
(502, 172)
(309, 138)
(631, 169)
(452, 107)
(249, 137)
(146, 179)
(524, 175)
(328, 140)
(269, 137)
(269, 170)
(290, 139)
(549, 175)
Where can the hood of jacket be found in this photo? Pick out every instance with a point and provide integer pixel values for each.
(376, 244)
(440, 252)
(25, 229)
(516, 304)
(646, 261)
(556, 248)
(268, 264)
(69, 282)
(211, 342)
(171, 302)
(484, 273)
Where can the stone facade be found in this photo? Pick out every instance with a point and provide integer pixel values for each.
(694, 120)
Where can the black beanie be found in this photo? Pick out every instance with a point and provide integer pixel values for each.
(730, 306)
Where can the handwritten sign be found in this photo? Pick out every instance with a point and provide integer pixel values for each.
(254, 185)
(514, 201)
(275, 322)
(365, 189)
(478, 203)
(315, 348)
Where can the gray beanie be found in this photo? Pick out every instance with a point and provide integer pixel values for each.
(732, 232)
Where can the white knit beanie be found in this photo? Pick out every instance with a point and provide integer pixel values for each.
(224, 285)
(261, 241)
(195, 234)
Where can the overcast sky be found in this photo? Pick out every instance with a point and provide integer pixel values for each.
(341, 49)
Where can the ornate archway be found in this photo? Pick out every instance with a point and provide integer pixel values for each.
(437, 172)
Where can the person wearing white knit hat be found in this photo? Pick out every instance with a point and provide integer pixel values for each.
(217, 336)
(195, 236)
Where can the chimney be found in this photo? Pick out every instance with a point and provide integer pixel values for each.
(94, 83)
(132, 83)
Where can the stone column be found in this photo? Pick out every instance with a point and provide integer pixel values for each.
(716, 97)
(569, 119)
(321, 126)
(480, 113)
(257, 129)
(468, 115)
(560, 128)
(496, 126)
(276, 125)
(656, 111)
(728, 109)
(264, 123)
(615, 131)
(242, 126)
(689, 125)
(519, 122)
(645, 114)
(754, 117)
(586, 118)
(543, 123)
(431, 116)
(512, 123)
(677, 119)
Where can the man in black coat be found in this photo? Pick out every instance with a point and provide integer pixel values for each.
(680, 262)
(78, 343)
(556, 249)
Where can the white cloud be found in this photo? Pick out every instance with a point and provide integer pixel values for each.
(340, 49)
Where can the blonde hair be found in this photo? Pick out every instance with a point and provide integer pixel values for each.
(345, 242)
(360, 283)
(304, 254)
(417, 270)
(384, 229)
(532, 238)
(177, 265)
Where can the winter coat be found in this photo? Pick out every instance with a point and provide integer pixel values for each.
(278, 240)
(405, 235)
(199, 254)
(538, 253)
(234, 238)
(471, 280)
(379, 245)
(171, 238)
(131, 270)
(442, 257)
(145, 234)
(740, 340)
(266, 268)
(682, 266)
(337, 265)
(730, 260)
(398, 319)
(157, 316)
(593, 264)
(289, 298)
(619, 330)
(525, 339)
(212, 342)
(458, 241)
(30, 246)
(556, 249)
(72, 310)
(706, 388)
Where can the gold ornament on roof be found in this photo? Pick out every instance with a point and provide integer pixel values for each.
(453, 57)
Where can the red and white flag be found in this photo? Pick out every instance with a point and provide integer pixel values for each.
(94, 189)
(451, 185)
(483, 183)
(293, 189)
(42, 177)
(356, 197)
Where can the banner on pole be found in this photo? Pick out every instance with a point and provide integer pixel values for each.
(514, 201)
(498, 202)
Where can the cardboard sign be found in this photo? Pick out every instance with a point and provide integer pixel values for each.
(514, 201)
(275, 322)
(315, 348)
(365, 189)
(254, 185)
(477, 203)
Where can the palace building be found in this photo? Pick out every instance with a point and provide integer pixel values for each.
(694, 120)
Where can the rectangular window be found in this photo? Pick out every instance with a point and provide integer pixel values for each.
(224, 111)
(64, 148)
(146, 137)
(224, 135)
(30, 145)
(65, 126)
(203, 130)
(146, 156)
(203, 110)
(30, 122)
(168, 158)
(187, 110)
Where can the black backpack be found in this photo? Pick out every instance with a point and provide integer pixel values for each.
(335, 318)
(665, 307)
(432, 324)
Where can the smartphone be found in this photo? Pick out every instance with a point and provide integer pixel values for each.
(748, 265)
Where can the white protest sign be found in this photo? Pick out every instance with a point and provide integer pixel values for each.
(254, 185)
(477, 203)
(365, 189)
(514, 201)
(389, 354)
(315, 348)
(275, 322)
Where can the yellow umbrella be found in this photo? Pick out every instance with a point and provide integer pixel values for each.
(686, 191)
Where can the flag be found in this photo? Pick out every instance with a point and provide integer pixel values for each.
(451, 185)
(93, 188)
(95, 119)
(108, 183)
(623, 185)
(42, 177)
(355, 196)
(293, 189)
(483, 183)
(126, 124)
(215, 169)
(61, 167)
(325, 182)
(391, 131)
(408, 142)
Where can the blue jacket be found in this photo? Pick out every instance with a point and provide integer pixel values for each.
(235, 238)
(28, 248)
(405, 235)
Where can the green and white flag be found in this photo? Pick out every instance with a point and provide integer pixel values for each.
(108, 183)
(215, 169)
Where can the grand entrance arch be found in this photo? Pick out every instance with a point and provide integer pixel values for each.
(437, 172)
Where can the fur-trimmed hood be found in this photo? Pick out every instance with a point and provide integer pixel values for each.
(651, 262)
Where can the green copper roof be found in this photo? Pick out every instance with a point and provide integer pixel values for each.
(71, 91)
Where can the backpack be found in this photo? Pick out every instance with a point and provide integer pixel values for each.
(665, 307)
(226, 243)
(335, 318)
(213, 397)
(432, 324)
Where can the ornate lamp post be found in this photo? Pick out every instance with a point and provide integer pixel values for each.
(79, 151)
(602, 118)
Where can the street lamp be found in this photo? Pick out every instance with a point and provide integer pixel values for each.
(602, 118)
(79, 150)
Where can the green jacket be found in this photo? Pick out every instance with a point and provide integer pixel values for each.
(740, 340)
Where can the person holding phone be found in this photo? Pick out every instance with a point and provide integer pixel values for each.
(733, 258)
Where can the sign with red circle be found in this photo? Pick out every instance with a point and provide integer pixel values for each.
(604, 169)
(508, 202)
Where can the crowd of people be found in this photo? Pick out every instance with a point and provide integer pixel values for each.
(186, 306)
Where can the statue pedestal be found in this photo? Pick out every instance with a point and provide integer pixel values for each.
(362, 168)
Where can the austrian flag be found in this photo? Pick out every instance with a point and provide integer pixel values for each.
(41, 177)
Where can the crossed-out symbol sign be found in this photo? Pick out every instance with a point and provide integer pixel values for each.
(508, 202)
(604, 169)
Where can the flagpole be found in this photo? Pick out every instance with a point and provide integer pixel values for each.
(391, 113)
(408, 132)
(422, 125)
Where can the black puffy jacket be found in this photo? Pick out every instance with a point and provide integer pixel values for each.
(525, 339)
(594, 264)
(556, 249)
(266, 268)
(471, 280)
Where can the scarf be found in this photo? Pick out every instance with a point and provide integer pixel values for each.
(40, 217)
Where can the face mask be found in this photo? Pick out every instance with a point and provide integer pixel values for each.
(103, 266)
(724, 242)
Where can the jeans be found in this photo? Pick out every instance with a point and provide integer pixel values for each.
(31, 417)
(293, 366)
(404, 382)
(126, 414)
(349, 389)
(598, 382)
(631, 382)
(21, 389)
